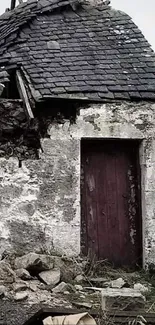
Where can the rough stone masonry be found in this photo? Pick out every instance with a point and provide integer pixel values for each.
(40, 199)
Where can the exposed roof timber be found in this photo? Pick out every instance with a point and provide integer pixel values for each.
(23, 94)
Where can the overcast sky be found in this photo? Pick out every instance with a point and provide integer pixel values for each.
(142, 12)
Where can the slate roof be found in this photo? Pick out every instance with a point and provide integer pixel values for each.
(70, 49)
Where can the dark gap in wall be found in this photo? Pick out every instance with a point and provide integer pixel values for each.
(21, 139)
(17, 137)
(20, 163)
(11, 91)
(55, 111)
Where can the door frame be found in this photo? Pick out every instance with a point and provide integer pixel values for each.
(140, 171)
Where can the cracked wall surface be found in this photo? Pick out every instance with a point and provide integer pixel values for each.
(40, 201)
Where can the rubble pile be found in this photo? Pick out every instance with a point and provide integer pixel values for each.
(59, 281)
(36, 278)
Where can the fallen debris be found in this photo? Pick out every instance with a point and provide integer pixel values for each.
(79, 278)
(30, 278)
(23, 274)
(82, 304)
(2, 291)
(140, 287)
(21, 296)
(119, 283)
(7, 275)
(51, 277)
(34, 262)
(98, 280)
(35, 285)
(124, 296)
(78, 287)
(60, 288)
(20, 286)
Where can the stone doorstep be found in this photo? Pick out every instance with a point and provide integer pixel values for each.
(123, 292)
(125, 299)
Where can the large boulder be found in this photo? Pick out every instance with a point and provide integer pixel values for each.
(34, 262)
(7, 275)
(51, 277)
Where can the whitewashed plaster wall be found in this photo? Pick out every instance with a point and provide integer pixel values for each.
(40, 202)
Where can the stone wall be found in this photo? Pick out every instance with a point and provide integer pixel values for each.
(40, 201)
(18, 137)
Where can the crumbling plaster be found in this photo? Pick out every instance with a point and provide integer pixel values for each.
(40, 202)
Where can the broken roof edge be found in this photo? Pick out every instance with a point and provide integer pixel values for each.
(42, 6)
(91, 100)
(36, 97)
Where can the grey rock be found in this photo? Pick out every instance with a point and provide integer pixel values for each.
(6, 273)
(58, 262)
(2, 291)
(123, 302)
(20, 286)
(51, 277)
(60, 288)
(78, 287)
(79, 278)
(71, 288)
(19, 296)
(123, 292)
(34, 262)
(98, 280)
(35, 285)
(9, 295)
(23, 274)
(82, 304)
(118, 284)
(67, 273)
(140, 287)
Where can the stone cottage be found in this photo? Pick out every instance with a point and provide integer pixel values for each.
(77, 122)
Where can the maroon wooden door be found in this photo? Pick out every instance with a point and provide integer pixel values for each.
(110, 201)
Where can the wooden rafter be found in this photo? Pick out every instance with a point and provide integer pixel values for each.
(23, 94)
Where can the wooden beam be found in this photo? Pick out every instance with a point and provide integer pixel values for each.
(13, 4)
(23, 94)
(113, 316)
